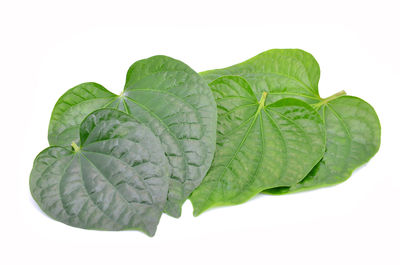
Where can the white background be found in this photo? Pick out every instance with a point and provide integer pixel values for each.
(46, 47)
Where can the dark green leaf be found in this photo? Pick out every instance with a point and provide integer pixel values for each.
(258, 146)
(116, 180)
(167, 96)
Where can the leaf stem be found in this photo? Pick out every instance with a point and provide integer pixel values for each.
(262, 101)
(330, 98)
(75, 147)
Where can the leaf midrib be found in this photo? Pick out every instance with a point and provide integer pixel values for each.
(284, 168)
(255, 116)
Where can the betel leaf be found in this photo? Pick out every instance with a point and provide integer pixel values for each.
(281, 72)
(117, 179)
(258, 146)
(167, 96)
(72, 108)
(353, 137)
(352, 126)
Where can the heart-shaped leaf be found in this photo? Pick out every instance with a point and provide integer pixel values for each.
(352, 138)
(116, 180)
(258, 146)
(167, 96)
(281, 72)
(352, 126)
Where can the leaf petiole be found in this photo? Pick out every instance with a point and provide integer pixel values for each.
(330, 98)
(75, 147)
(262, 101)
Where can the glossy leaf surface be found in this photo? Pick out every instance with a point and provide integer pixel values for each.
(258, 146)
(295, 73)
(353, 137)
(167, 96)
(72, 108)
(116, 180)
(280, 72)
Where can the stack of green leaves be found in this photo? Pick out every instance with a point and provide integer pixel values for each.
(116, 162)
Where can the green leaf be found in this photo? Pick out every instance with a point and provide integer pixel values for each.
(117, 179)
(167, 96)
(258, 146)
(72, 108)
(295, 73)
(281, 72)
(353, 137)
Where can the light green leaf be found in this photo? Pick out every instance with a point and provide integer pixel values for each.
(167, 96)
(353, 137)
(280, 72)
(295, 73)
(258, 146)
(117, 179)
(72, 108)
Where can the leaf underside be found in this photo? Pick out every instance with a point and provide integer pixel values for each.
(352, 126)
(258, 147)
(118, 180)
(168, 97)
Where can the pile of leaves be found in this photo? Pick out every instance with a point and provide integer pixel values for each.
(117, 162)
